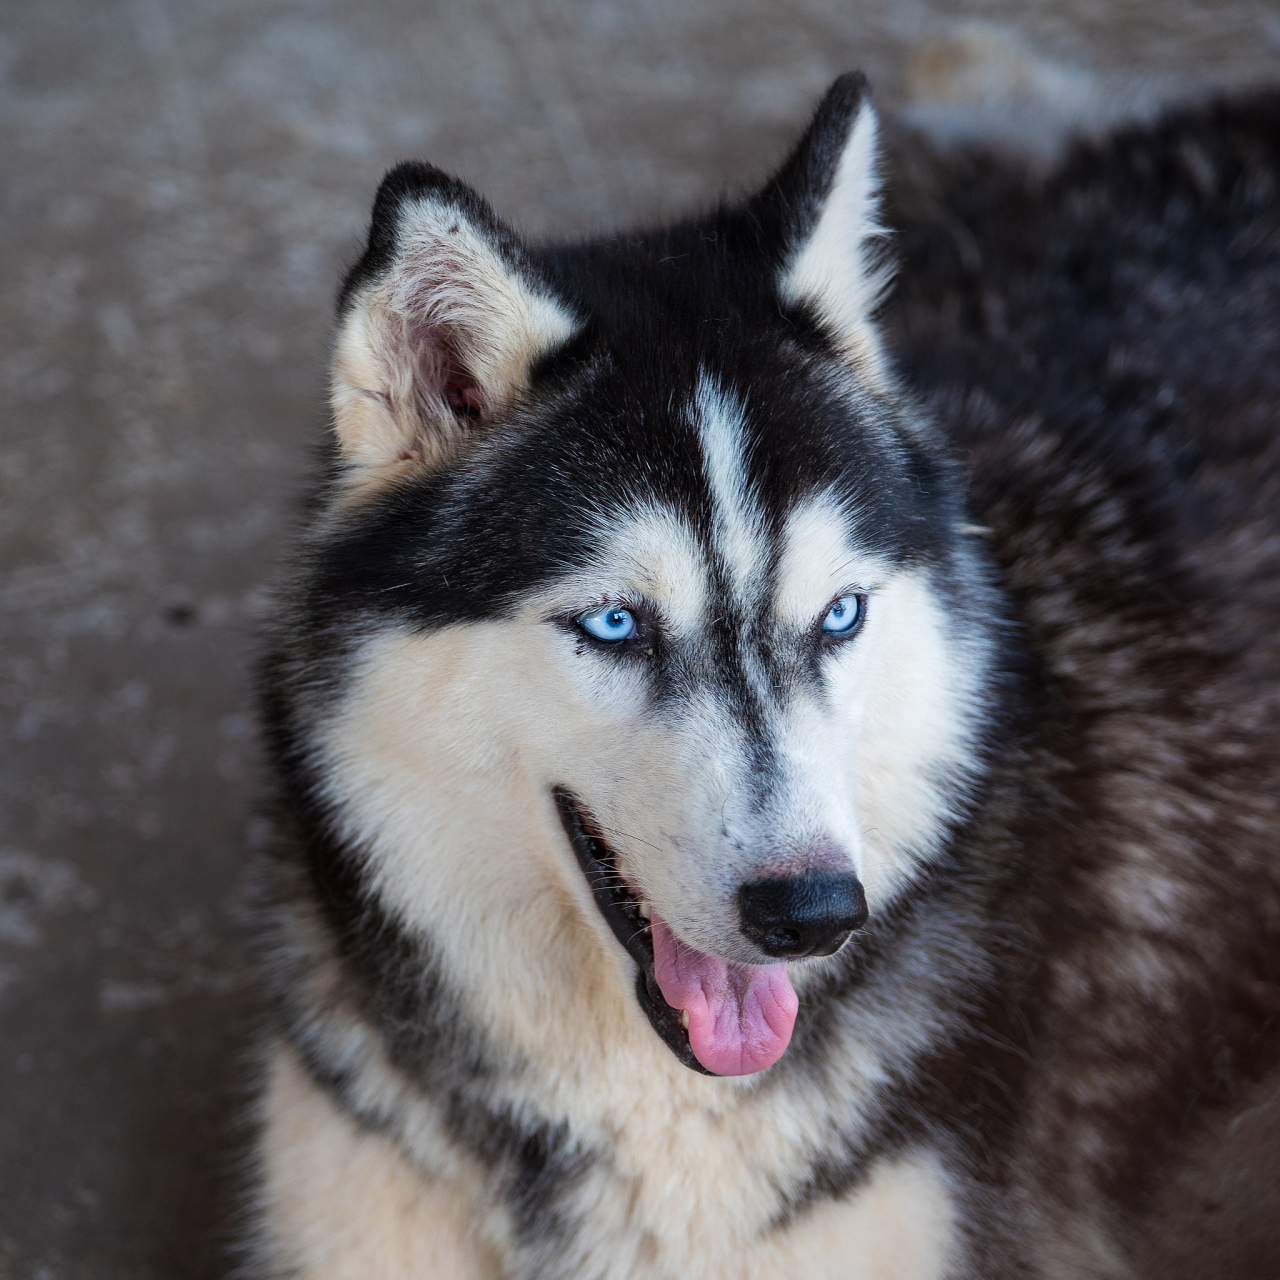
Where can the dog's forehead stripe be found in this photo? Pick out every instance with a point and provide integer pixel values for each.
(738, 523)
(747, 688)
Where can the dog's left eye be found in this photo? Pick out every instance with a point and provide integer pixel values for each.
(610, 623)
(844, 617)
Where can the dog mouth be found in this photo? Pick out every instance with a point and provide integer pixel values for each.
(718, 1016)
(621, 911)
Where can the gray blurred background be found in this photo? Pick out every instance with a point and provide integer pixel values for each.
(182, 185)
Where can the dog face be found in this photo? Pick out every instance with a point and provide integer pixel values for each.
(663, 593)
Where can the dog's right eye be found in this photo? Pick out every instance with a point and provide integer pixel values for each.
(610, 624)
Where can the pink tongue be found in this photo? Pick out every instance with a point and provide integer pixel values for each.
(740, 1015)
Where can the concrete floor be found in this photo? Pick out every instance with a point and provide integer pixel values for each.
(182, 185)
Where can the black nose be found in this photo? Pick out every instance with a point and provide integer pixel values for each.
(808, 915)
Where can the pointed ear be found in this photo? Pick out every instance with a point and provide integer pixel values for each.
(824, 205)
(439, 325)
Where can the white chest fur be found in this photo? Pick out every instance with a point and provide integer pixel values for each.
(681, 1201)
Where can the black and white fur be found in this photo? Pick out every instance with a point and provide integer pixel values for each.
(1048, 754)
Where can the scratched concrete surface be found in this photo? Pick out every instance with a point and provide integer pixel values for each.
(181, 186)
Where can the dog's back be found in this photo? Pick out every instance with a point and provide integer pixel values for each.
(1105, 346)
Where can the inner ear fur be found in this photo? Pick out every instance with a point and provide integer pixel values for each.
(824, 206)
(439, 325)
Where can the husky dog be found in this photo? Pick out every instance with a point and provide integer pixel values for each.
(736, 818)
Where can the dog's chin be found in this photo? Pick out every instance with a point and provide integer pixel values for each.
(621, 912)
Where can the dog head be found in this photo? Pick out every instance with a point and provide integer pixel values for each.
(658, 600)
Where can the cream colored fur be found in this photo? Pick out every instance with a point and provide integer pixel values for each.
(347, 1203)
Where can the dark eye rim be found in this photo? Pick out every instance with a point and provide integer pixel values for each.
(829, 639)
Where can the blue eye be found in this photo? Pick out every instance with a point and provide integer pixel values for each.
(844, 616)
(610, 623)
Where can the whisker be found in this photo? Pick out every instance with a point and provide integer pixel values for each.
(627, 835)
